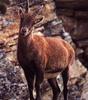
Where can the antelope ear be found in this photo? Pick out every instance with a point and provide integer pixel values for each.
(38, 19)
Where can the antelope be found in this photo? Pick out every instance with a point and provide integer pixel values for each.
(43, 57)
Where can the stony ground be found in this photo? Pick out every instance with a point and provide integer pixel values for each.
(12, 86)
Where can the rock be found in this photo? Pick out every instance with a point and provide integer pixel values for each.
(12, 86)
(2, 54)
(72, 4)
(2, 43)
(84, 95)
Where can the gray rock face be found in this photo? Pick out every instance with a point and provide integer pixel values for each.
(12, 86)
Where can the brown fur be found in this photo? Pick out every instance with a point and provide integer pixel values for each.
(52, 51)
(39, 55)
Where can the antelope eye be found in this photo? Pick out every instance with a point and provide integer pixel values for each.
(23, 30)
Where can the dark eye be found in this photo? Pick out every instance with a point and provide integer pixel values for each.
(23, 30)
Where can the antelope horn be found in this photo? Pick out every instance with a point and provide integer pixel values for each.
(27, 6)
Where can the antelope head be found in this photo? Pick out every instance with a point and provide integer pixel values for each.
(28, 19)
